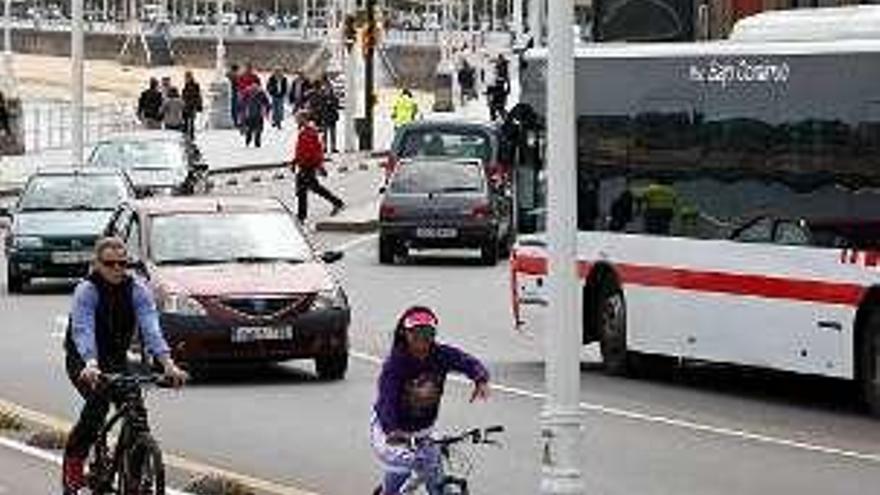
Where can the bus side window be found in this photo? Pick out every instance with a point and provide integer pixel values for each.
(791, 234)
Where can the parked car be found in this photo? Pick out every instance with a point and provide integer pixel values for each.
(158, 162)
(57, 220)
(444, 203)
(237, 280)
(452, 139)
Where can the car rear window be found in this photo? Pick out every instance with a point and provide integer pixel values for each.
(447, 143)
(138, 154)
(227, 237)
(427, 177)
(73, 192)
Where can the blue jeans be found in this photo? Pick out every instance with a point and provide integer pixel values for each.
(277, 111)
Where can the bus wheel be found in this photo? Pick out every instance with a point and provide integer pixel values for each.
(870, 364)
(612, 329)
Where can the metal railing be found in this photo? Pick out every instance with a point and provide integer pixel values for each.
(48, 123)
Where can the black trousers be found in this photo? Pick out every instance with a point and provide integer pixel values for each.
(307, 180)
(91, 418)
(253, 131)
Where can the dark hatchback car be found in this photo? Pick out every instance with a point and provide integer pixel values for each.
(56, 221)
(452, 139)
(443, 203)
(236, 280)
(157, 162)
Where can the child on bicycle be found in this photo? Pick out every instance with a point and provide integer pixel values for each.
(410, 389)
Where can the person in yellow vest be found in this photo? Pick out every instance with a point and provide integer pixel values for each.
(404, 108)
(660, 202)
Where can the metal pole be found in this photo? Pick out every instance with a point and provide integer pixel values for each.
(368, 73)
(518, 19)
(536, 21)
(561, 419)
(77, 54)
(350, 143)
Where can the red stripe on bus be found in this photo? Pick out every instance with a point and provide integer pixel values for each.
(717, 282)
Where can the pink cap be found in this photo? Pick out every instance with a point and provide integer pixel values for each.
(419, 319)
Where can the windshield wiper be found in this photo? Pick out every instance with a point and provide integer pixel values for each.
(87, 208)
(193, 261)
(265, 259)
(455, 189)
(36, 209)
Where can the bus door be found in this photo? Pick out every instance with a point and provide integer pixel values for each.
(525, 143)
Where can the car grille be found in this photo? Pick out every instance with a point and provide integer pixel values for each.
(68, 243)
(267, 306)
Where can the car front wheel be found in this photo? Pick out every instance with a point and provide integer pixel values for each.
(489, 251)
(387, 249)
(332, 367)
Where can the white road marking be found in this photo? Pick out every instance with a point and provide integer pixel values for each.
(357, 241)
(51, 458)
(59, 326)
(669, 421)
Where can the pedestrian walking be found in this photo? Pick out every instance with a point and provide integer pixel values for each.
(404, 108)
(254, 108)
(297, 93)
(232, 76)
(328, 114)
(172, 111)
(192, 104)
(149, 106)
(308, 162)
(277, 87)
(4, 116)
(165, 88)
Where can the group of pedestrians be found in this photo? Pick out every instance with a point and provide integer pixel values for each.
(164, 106)
(252, 105)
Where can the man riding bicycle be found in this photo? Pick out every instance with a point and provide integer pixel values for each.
(107, 305)
(410, 390)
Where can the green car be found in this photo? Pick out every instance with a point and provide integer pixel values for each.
(56, 221)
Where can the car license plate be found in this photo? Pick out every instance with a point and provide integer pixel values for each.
(71, 257)
(436, 233)
(254, 334)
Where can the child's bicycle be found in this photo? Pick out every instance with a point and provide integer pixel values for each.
(135, 466)
(456, 463)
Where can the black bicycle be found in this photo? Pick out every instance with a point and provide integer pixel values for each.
(135, 466)
(457, 464)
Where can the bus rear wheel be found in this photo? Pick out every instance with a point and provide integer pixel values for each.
(869, 364)
(612, 330)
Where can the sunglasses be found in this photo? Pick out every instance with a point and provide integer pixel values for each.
(114, 263)
(424, 331)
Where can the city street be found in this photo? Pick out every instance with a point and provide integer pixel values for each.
(21, 474)
(707, 430)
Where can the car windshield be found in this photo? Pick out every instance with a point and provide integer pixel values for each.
(138, 154)
(73, 192)
(446, 143)
(194, 238)
(437, 177)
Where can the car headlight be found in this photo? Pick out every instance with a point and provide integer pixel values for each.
(330, 299)
(27, 242)
(182, 305)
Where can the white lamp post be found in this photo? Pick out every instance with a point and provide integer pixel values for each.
(77, 54)
(561, 419)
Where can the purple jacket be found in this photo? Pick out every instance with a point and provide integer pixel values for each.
(410, 389)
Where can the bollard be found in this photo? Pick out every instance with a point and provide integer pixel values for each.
(13, 143)
(221, 104)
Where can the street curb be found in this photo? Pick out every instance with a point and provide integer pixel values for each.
(186, 466)
(351, 226)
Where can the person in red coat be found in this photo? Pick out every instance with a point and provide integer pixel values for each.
(308, 162)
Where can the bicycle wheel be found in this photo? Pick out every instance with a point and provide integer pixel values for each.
(143, 472)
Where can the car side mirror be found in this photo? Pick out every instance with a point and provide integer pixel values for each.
(5, 212)
(200, 167)
(331, 256)
(383, 189)
(139, 267)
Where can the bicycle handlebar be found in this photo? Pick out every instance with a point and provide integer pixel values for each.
(474, 435)
(114, 379)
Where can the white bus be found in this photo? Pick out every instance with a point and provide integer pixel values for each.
(728, 204)
(817, 24)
